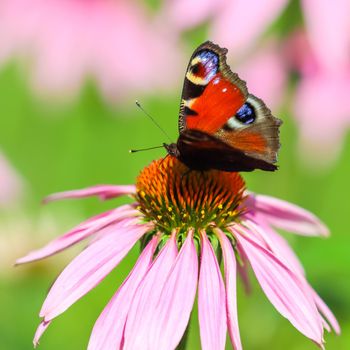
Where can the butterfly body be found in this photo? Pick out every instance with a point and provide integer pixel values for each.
(221, 125)
(212, 154)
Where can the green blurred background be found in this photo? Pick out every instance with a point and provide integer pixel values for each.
(57, 147)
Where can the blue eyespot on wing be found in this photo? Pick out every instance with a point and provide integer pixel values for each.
(246, 114)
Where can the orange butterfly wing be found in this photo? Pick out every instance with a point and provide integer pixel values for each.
(220, 100)
(211, 92)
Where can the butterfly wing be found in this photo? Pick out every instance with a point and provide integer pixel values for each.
(253, 130)
(216, 102)
(211, 92)
(201, 151)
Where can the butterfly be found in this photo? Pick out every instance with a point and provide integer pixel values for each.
(221, 125)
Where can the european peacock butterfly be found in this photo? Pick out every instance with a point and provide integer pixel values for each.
(222, 126)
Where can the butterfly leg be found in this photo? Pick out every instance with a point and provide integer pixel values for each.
(185, 174)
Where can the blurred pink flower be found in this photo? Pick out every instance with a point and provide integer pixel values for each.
(322, 57)
(328, 29)
(10, 183)
(265, 74)
(322, 110)
(233, 24)
(152, 308)
(116, 43)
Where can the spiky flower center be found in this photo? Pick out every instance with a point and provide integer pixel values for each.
(175, 197)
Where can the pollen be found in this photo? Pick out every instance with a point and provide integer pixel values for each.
(176, 197)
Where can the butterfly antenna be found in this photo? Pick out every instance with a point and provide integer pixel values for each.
(153, 120)
(144, 149)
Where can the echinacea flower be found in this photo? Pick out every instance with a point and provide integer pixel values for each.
(185, 220)
(323, 62)
(66, 42)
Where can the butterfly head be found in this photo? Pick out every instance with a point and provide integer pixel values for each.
(172, 149)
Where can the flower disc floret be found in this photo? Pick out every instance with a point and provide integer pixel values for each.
(175, 197)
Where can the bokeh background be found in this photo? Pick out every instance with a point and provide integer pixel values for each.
(70, 71)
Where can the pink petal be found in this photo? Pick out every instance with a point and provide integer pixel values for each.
(231, 291)
(274, 242)
(279, 246)
(243, 272)
(109, 327)
(326, 312)
(211, 300)
(283, 288)
(146, 299)
(39, 332)
(89, 268)
(173, 309)
(82, 231)
(125, 222)
(102, 191)
(286, 216)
